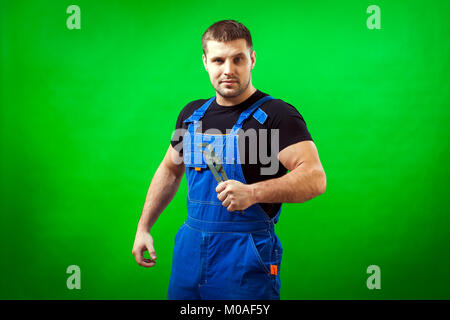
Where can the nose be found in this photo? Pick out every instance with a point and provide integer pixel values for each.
(228, 67)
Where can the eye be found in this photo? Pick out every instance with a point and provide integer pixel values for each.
(237, 59)
(218, 60)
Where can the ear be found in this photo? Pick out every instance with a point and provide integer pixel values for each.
(253, 58)
(204, 61)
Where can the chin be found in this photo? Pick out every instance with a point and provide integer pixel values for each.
(230, 90)
(227, 93)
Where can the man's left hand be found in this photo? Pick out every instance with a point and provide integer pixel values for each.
(235, 195)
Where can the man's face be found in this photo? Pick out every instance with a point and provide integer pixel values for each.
(229, 65)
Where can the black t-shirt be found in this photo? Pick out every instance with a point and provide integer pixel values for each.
(280, 115)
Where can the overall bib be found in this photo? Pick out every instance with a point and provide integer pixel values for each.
(219, 254)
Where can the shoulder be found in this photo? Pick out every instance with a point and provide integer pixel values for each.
(287, 118)
(279, 111)
(188, 110)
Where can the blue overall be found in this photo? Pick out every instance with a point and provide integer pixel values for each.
(220, 254)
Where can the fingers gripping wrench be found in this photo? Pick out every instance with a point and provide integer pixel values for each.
(214, 164)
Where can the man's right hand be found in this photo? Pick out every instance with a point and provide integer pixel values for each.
(144, 242)
(162, 189)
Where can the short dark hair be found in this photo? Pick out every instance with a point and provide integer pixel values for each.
(227, 30)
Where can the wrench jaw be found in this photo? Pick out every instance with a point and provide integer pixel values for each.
(223, 173)
(214, 164)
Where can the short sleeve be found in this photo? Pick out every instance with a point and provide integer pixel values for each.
(181, 127)
(177, 136)
(292, 127)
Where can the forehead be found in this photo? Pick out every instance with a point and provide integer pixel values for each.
(228, 48)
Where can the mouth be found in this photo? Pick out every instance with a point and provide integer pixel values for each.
(228, 81)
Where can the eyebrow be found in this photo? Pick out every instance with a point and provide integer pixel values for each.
(234, 56)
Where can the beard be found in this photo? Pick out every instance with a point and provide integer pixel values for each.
(231, 93)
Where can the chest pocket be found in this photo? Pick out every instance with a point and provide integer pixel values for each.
(193, 150)
(201, 181)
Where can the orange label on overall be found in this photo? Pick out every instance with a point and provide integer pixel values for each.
(273, 269)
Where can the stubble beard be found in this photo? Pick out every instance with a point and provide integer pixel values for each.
(234, 93)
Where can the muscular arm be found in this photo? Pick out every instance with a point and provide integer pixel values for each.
(162, 189)
(305, 181)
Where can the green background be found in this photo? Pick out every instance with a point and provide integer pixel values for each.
(87, 115)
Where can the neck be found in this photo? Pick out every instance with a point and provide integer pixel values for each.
(228, 102)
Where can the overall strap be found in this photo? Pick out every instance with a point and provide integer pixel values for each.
(259, 115)
(200, 112)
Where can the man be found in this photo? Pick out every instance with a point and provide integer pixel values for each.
(227, 248)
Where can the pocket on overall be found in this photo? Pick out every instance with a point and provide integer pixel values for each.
(177, 251)
(185, 258)
(261, 243)
(201, 181)
(268, 252)
(178, 234)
